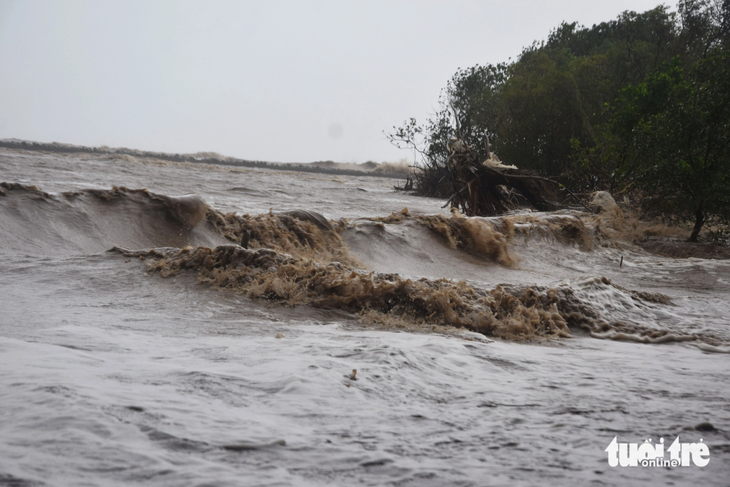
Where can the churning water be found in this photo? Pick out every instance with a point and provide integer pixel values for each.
(188, 324)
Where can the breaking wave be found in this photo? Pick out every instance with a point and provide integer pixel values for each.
(301, 258)
(510, 312)
(91, 221)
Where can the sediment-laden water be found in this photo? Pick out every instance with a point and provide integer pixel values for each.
(169, 323)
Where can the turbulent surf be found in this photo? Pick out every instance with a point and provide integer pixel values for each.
(173, 323)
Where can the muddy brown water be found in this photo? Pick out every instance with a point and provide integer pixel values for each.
(501, 351)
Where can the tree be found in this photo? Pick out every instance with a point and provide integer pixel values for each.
(474, 93)
(676, 129)
(535, 109)
(636, 104)
(553, 103)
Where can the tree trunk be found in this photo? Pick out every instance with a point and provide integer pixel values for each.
(699, 221)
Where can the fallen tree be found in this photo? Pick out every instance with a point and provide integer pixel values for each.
(490, 187)
(482, 189)
(472, 178)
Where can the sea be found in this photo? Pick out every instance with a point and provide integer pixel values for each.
(170, 323)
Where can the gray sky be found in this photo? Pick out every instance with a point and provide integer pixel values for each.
(288, 81)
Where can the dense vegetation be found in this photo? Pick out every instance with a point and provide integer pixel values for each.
(639, 105)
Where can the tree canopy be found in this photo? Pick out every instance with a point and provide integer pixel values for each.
(639, 104)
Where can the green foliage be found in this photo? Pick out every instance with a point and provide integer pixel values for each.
(555, 99)
(677, 129)
(475, 94)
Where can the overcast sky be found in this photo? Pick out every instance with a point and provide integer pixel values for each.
(287, 81)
